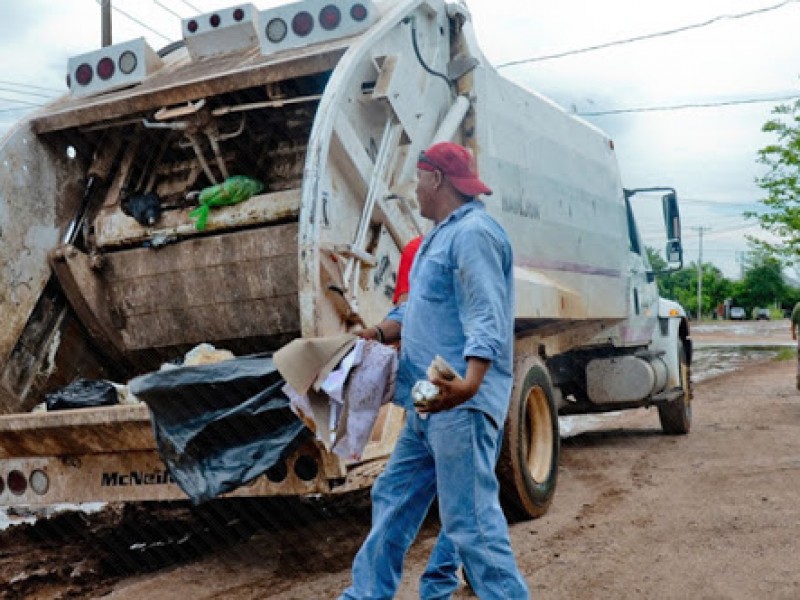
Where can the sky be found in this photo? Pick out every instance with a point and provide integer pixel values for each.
(716, 57)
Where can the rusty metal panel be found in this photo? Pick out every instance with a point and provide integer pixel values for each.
(32, 178)
(185, 81)
(115, 228)
(233, 286)
(84, 431)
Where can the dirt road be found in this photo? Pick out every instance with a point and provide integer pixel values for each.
(637, 515)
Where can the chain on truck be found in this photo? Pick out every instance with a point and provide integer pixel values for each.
(328, 103)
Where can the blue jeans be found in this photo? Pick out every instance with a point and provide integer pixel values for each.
(452, 452)
(440, 579)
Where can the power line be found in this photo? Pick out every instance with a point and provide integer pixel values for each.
(721, 203)
(24, 93)
(27, 85)
(674, 107)
(194, 8)
(167, 8)
(140, 23)
(16, 101)
(18, 108)
(718, 202)
(647, 36)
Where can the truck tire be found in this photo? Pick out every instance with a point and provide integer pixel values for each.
(676, 416)
(528, 463)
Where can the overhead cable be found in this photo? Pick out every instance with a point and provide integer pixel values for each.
(138, 22)
(167, 8)
(642, 109)
(647, 36)
(15, 109)
(25, 93)
(194, 8)
(16, 101)
(27, 85)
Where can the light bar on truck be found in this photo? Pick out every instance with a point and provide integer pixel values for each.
(313, 21)
(40, 482)
(111, 68)
(221, 32)
(17, 483)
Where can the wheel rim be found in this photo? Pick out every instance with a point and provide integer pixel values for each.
(539, 433)
(687, 395)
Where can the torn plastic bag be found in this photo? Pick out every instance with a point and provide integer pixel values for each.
(82, 393)
(219, 426)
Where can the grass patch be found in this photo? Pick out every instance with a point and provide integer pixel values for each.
(786, 354)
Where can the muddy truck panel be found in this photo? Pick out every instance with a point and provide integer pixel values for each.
(101, 280)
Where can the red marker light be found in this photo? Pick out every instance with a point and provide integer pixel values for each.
(105, 68)
(302, 24)
(214, 20)
(330, 17)
(192, 26)
(358, 12)
(17, 484)
(84, 74)
(238, 14)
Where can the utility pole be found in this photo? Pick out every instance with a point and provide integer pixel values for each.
(105, 22)
(700, 230)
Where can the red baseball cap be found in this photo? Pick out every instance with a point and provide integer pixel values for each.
(457, 164)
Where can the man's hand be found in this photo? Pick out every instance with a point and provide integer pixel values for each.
(370, 333)
(457, 391)
(385, 332)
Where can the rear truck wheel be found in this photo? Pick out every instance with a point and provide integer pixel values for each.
(676, 415)
(528, 464)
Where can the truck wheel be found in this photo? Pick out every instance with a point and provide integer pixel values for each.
(676, 416)
(528, 462)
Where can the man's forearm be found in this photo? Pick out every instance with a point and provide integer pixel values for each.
(476, 371)
(386, 332)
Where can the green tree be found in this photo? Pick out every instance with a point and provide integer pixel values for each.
(781, 183)
(681, 286)
(763, 284)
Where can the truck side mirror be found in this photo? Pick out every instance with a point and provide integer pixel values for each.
(672, 219)
(672, 222)
(674, 252)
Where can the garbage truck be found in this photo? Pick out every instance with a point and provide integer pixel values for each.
(106, 276)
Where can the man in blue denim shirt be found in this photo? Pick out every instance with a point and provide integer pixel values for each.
(461, 307)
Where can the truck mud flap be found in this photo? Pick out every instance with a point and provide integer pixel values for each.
(220, 426)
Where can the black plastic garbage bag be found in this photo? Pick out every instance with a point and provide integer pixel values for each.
(82, 393)
(219, 426)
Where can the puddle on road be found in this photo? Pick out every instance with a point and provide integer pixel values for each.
(714, 360)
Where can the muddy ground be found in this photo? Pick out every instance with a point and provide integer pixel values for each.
(636, 515)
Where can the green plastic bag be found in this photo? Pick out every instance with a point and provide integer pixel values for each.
(233, 190)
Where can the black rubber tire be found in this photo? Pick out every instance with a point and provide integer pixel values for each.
(676, 416)
(527, 468)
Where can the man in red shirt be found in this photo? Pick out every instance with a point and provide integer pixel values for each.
(404, 271)
(388, 329)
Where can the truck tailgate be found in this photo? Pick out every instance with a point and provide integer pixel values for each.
(71, 432)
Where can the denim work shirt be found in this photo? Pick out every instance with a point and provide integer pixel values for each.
(461, 304)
